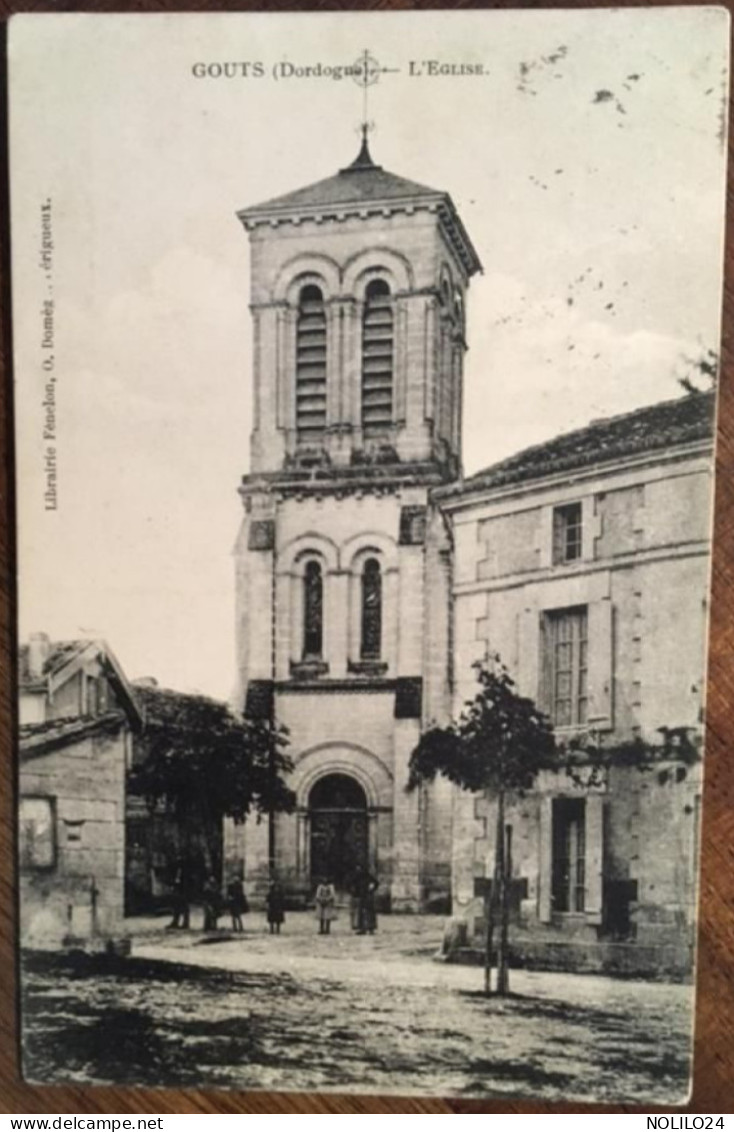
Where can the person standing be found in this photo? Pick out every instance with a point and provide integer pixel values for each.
(180, 896)
(325, 906)
(356, 902)
(237, 902)
(276, 907)
(369, 907)
(363, 905)
(211, 902)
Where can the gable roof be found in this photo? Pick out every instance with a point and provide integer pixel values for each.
(60, 652)
(65, 658)
(666, 424)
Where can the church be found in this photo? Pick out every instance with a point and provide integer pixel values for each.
(370, 575)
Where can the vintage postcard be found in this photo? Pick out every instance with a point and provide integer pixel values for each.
(365, 377)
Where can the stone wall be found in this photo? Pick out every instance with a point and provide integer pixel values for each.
(85, 781)
(641, 579)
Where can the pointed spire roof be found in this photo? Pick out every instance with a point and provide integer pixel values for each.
(363, 161)
(361, 188)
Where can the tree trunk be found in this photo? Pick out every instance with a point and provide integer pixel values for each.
(489, 921)
(491, 902)
(272, 873)
(503, 974)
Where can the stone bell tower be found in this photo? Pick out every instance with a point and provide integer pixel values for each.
(358, 292)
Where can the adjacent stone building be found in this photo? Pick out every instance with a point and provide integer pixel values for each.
(77, 717)
(584, 563)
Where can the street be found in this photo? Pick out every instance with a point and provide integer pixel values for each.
(375, 1014)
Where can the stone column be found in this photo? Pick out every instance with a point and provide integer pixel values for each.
(336, 629)
(406, 872)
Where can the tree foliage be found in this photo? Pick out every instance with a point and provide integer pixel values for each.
(498, 745)
(587, 756)
(206, 763)
(499, 742)
(701, 373)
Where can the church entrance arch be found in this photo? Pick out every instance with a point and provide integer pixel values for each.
(339, 830)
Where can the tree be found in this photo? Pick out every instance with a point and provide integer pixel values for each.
(206, 764)
(701, 373)
(497, 745)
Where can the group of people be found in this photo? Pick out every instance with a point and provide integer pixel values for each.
(215, 905)
(363, 913)
(362, 906)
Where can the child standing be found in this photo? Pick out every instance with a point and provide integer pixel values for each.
(325, 906)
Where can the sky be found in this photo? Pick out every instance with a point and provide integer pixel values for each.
(587, 162)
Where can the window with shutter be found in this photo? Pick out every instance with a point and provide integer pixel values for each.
(377, 358)
(567, 533)
(565, 641)
(310, 366)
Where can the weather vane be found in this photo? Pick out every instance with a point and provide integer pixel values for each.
(366, 72)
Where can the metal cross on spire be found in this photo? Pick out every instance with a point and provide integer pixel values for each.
(366, 72)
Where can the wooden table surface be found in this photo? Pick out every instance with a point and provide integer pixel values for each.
(713, 1090)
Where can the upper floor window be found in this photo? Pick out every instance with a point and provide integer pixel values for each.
(567, 530)
(313, 611)
(96, 693)
(377, 358)
(371, 610)
(566, 664)
(310, 365)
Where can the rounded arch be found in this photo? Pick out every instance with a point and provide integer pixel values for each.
(336, 790)
(356, 548)
(377, 263)
(306, 268)
(303, 608)
(294, 554)
(346, 758)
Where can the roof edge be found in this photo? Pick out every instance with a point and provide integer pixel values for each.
(661, 448)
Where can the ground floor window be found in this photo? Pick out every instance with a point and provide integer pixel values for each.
(569, 855)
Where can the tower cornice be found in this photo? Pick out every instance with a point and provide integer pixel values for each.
(439, 204)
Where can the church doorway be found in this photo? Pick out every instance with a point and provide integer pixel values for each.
(339, 830)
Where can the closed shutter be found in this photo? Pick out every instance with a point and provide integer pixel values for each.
(545, 860)
(594, 858)
(377, 359)
(311, 366)
(529, 643)
(600, 664)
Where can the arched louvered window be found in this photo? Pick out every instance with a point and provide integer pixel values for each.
(371, 610)
(311, 366)
(377, 358)
(313, 611)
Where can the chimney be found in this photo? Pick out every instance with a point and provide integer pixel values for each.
(39, 648)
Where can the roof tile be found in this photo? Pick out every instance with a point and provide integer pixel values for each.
(682, 421)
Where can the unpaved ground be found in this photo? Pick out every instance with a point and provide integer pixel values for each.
(303, 1012)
